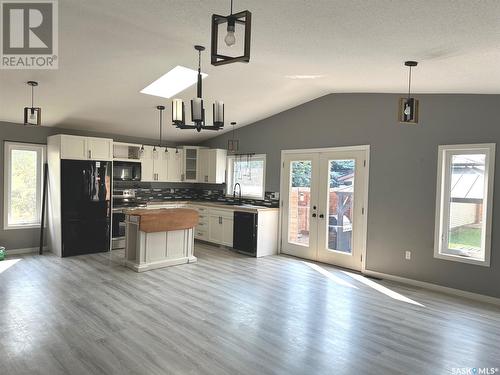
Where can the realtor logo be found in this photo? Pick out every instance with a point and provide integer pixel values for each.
(29, 34)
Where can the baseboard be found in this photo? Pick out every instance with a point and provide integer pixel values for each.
(431, 286)
(27, 250)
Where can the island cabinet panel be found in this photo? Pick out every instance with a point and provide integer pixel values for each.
(162, 248)
(156, 246)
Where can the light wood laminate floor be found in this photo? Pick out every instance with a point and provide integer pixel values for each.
(230, 314)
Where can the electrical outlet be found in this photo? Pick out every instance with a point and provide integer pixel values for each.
(408, 255)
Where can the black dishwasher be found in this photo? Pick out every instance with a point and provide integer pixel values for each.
(245, 232)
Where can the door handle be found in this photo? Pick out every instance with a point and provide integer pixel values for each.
(321, 216)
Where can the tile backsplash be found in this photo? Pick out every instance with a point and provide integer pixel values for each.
(147, 192)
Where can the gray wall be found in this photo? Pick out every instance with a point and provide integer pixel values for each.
(27, 238)
(403, 170)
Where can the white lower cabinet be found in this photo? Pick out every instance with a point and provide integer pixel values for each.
(227, 231)
(216, 226)
(220, 227)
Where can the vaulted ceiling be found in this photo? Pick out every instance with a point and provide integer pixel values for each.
(110, 50)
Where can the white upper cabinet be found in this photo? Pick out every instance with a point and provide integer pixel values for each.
(86, 148)
(73, 147)
(174, 168)
(147, 167)
(153, 164)
(100, 148)
(161, 164)
(191, 166)
(203, 164)
(212, 166)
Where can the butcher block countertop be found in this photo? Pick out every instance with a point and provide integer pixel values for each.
(165, 219)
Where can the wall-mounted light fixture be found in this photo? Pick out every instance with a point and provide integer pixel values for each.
(408, 107)
(32, 115)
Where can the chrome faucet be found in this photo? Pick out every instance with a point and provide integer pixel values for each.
(239, 192)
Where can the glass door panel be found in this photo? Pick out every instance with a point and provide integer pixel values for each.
(340, 204)
(323, 205)
(341, 208)
(299, 229)
(299, 202)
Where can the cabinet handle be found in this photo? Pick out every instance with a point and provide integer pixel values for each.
(90, 154)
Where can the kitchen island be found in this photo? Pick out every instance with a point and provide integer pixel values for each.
(156, 238)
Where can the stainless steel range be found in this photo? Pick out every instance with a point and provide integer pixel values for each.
(122, 200)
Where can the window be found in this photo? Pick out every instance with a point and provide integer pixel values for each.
(464, 203)
(249, 172)
(23, 185)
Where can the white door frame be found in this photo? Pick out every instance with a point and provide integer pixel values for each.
(284, 179)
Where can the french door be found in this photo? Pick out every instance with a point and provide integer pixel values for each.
(324, 205)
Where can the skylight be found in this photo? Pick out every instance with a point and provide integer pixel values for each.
(173, 82)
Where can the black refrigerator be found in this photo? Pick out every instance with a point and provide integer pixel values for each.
(85, 206)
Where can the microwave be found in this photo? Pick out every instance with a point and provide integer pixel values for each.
(127, 170)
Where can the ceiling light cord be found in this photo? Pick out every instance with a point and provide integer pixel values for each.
(161, 123)
(409, 84)
(199, 87)
(231, 7)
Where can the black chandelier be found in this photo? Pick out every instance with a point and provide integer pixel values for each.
(244, 21)
(408, 107)
(197, 109)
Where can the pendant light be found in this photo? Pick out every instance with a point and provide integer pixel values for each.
(233, 144)
(230, 39)
(228, 24)
(197, 109)
(408, 107)
(160, 109)
(32, 115)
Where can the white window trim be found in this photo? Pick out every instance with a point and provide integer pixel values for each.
(8, 146)
(442, 197)
(229, 186)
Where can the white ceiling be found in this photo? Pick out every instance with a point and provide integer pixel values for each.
(110, 50)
